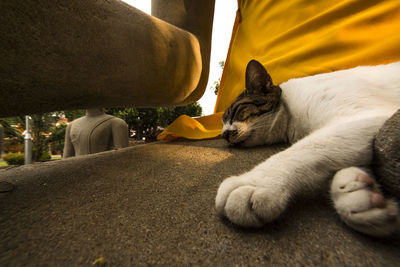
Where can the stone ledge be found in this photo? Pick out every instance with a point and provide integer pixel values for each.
(154, 205)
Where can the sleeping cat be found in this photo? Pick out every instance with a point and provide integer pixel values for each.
(330, 120)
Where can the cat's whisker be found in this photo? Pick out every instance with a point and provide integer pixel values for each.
(241, 133)
(259, 125)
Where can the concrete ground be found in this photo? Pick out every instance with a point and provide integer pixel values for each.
(153, 204)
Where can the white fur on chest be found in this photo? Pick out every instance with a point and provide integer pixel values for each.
(316, 101)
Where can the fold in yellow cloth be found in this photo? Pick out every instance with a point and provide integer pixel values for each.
(299, 38)
(193, 128)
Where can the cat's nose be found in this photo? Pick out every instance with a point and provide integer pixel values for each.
(227, 134)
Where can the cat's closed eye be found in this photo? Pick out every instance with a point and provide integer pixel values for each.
(242, 113)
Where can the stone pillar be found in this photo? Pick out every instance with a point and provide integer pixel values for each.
(58, 55)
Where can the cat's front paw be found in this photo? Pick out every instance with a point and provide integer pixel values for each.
(361, 205)
(248, 203)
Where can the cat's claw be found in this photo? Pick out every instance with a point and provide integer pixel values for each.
(361, 205)
(248, 204)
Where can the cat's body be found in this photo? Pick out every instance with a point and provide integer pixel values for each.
(330, 120)
(333, 98)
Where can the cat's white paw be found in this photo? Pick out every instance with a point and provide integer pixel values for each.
(248, 203)
(361, 205)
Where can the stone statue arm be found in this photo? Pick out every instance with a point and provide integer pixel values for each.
(69, 150)
(120, 133)
(173, 46)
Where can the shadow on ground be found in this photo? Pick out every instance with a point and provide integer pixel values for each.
(153, 204)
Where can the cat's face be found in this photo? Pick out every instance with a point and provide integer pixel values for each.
(252, 117)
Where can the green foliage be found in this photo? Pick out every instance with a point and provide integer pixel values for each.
(57, 137)
(41, 127)
(216, 86)
(72, 114)
(10, 127)
(168, 115)
(13, 144)
(41, 124)
(13, 139)
(14, 158)
(144, 121)
(40, 155)
(217, 82)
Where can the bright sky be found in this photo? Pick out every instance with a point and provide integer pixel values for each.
(224, 16)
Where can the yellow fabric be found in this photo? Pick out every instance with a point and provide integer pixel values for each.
(299, 38)
(193, 128)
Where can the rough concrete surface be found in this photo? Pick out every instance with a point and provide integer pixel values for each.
(153, 204)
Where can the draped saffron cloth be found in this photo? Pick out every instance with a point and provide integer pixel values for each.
(295, 39)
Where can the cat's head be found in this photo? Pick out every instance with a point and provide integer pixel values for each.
(253, 117)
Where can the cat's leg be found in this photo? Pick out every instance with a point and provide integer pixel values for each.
(360, 203)
(262, 194)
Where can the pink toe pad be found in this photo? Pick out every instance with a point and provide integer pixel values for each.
(365, 178)
(377, 200)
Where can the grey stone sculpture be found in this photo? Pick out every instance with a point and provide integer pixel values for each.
(93, 133)
(57, 55)
(387, 155)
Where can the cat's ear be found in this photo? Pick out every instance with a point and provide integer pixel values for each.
(257, 78)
